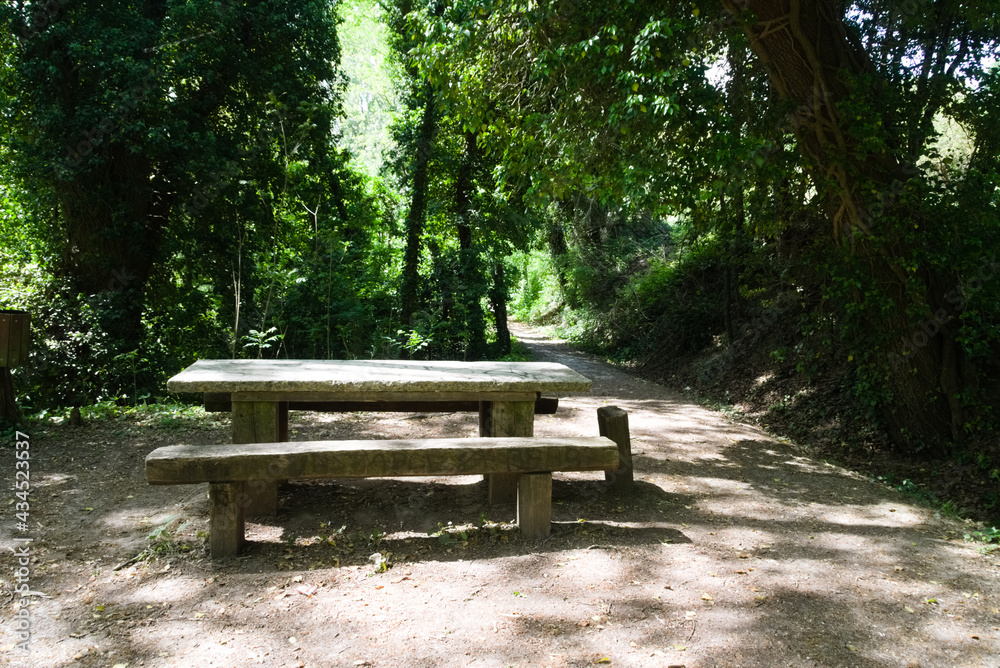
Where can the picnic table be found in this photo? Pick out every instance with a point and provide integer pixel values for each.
(261, 392)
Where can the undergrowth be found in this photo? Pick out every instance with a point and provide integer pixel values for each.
(166, 415)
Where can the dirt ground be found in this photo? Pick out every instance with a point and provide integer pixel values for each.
(735, 549)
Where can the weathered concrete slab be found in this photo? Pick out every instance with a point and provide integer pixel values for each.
(331, 377)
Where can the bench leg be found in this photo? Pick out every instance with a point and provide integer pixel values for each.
(505, 418)
(226, 524)
(534, 505)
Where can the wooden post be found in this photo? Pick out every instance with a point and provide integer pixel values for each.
(259, 422)
(613, 423)
(226, 519)
(8, 404)
(534, 505)
(505, 418)
(15, 333)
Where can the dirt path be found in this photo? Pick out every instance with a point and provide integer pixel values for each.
(735, 550)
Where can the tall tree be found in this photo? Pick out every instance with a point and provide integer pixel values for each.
(414, 138)
(127, 120)
(469, 270)
(421, 149)
(866, 174)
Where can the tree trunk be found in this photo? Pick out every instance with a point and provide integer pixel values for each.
(470, 281)
(113, 209)
(738, 252)
(418, 209)
(727, 279)
(498, 300)
(114, 218)
(806, 50)
(558, 250)
(738, 103)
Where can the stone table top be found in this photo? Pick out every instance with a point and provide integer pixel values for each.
(345, 376)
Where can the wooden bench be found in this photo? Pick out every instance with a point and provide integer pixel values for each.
(231, 470)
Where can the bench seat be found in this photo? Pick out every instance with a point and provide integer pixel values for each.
(231, 468)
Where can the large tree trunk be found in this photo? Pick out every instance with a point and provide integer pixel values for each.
(806, 49)
(113, 200)
(114, 220)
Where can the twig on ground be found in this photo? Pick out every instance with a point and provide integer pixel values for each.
(129, 562)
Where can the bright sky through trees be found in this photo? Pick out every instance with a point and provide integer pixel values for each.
(371, 101)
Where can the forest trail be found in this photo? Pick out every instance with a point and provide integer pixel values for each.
(788, 560)
(735, 549)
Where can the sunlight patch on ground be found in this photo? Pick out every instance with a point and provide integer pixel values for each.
(804, 465)
(173, 590)
(731, 507)
(126, 519)
(720, 487)
(714, 456)
(694, 452)
(52, 479)
(894, 515)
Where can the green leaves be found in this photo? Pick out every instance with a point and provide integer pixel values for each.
(565, 73)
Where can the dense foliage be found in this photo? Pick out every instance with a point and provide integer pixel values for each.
(816, 173)
(180, 192)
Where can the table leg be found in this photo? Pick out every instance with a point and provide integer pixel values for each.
(505, 418)
(260, 422)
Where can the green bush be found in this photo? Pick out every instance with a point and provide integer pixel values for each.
(536, 295)
(672, 308)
